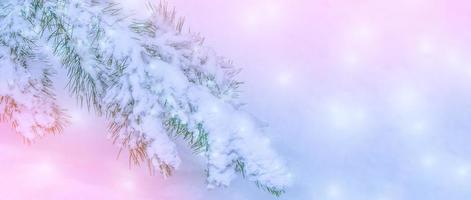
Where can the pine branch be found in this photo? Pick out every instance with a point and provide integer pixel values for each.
(27, 100)
(151, 80)
(58, 34)
(240, 168)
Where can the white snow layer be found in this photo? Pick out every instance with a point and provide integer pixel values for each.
(165, 75)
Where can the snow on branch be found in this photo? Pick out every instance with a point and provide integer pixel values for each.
(152, 80)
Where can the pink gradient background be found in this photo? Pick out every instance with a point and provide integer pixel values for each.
(341, 82)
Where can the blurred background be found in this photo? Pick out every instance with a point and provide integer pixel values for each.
(366, 100)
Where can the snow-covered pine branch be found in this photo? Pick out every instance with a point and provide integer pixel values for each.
(153, 81)
(27, 100)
